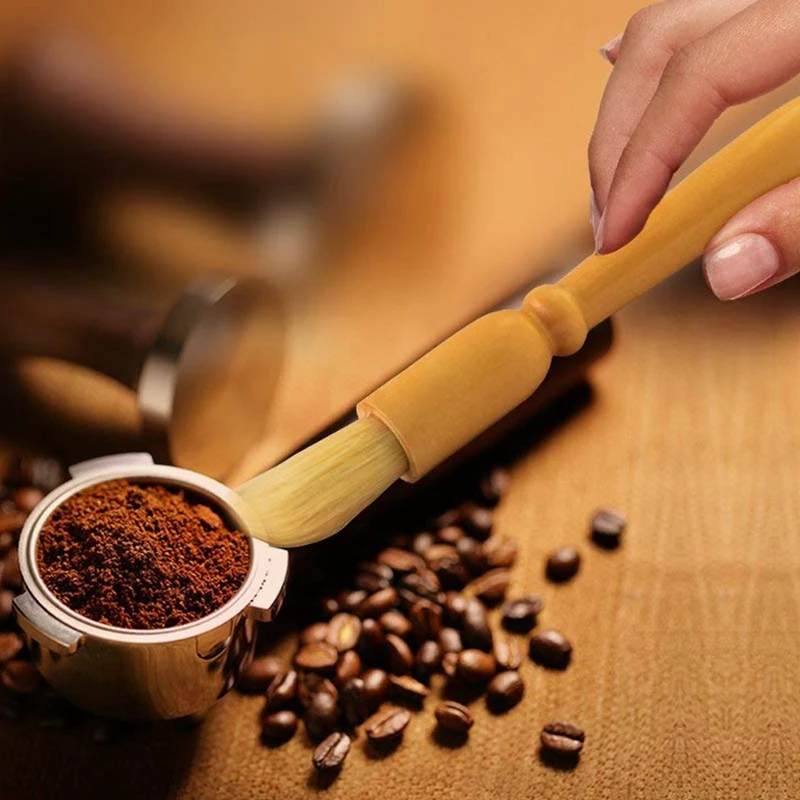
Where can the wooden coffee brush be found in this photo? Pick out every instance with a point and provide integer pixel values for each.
(457, 390)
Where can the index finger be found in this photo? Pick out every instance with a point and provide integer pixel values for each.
(753, 52)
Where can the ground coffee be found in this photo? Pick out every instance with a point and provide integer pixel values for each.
(140, 555)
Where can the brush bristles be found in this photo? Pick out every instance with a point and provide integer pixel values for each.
(316, 492)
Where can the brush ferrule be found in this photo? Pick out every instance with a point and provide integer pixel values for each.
(462, 387)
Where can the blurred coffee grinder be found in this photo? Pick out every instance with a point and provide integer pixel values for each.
(77, 133)
(202, 352)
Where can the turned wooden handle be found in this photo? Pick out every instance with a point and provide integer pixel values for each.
(761, 159)
(477, 376)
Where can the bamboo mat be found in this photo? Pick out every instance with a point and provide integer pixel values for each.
(686, 640)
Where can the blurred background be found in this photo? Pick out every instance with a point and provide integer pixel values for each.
(385, 172)
(294, 199)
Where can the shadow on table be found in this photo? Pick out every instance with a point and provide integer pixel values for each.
(322, 569)
(147, 760)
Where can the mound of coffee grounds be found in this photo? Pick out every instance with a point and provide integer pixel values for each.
(140, 555)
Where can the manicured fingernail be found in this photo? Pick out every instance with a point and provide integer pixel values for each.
(608, 47)
(598, 233)
(594, 214)
(740, 265)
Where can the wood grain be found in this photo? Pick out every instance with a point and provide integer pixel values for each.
(686, 640)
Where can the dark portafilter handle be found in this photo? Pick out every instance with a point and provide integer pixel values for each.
(190, 364)
(78, 325)
(70, 113)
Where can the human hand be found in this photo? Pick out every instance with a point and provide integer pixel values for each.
(677, 67)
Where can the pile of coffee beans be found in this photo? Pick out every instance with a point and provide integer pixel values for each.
(414, 619)
(24, 482)
(416, 610)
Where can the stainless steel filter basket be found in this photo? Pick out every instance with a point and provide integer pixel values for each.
(145, 674)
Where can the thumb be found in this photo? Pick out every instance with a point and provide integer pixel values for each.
(758, 247)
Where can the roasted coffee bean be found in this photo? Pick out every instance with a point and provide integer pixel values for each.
(370, 583)
(12, 520)
(278, 726)
(351, 601)
(388, 725)
(400, 561)
(310, 684)
(376, 687)
(27, 498)
(355, 702)
(445, 561)
(317, 632)
(407, 599)
(490, 587)
(450, 664)
(6, 605)
(260, 673)
(475, 630)
(607, 528)
(396, 623)
(477, 520)
(453, 608)
(344, 631)
(500, 551)
(450, 534)
(379, 603)
(43, 473)
(427, 659)
(20, 676)
(421, 542)
(319, 656)
(322, 715)
(6, 542)
(550, 649)
(454, 576)
(372, 576)
(562, 564)
(331, 752)
(493, 486)
(282, 690)
(505, 690)
(475, 666)
(11, 645)
(472, 556)
(447, 518)
(426, 619)
(329, 606)
(561, 738)
(377, 569)
(454, 717)
(424, 584)
(349, 667)
(440, 554)
(450, 641)
(372, 641)
(519, 615)
(408, 689)
(507, 653)
(10, 575)
(399, 655)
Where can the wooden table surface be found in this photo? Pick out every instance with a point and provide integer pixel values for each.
(686, 639)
